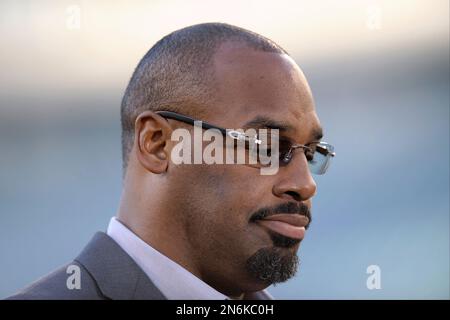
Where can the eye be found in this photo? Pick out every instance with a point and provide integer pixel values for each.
(285, 155)
(310, 150)
(285, 158)
(309, 154)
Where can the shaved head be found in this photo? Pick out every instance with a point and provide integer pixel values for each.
(177, 73)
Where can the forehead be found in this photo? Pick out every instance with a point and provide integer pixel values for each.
(253, 84)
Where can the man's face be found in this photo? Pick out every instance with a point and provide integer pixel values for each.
(220, 204)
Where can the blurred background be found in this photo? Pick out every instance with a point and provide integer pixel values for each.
(379, 71)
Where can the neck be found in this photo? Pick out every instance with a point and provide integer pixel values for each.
(156, 226)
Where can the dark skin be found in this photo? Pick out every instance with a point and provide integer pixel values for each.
(199, 215)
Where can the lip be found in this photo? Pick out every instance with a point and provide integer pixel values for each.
(288, 225)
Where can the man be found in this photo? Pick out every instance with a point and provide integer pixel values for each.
(203, 231)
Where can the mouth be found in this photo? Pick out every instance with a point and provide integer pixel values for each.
(289, 225)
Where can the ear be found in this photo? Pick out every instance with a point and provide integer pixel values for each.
(152, 136)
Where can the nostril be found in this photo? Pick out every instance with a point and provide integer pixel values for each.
(294, 195)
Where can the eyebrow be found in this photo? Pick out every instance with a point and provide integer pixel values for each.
(264, 122)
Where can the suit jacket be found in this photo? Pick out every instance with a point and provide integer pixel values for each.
(107, 272)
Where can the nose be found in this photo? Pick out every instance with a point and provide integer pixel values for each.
(295, 181)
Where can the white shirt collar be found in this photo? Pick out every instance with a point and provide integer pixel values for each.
(175, 282)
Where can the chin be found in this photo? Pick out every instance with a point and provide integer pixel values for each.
(271, 265)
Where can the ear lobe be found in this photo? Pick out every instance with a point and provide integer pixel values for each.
(152, 133)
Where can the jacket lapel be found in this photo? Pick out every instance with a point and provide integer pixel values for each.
(115, 272)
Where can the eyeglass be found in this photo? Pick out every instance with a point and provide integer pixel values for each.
(318, 153)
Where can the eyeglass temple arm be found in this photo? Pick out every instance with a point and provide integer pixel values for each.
(189, 120)
(175, 116)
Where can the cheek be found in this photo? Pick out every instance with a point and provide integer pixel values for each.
(209, 192)
(217, 201)
(229, 188)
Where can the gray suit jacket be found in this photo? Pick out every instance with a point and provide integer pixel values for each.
(107, 272)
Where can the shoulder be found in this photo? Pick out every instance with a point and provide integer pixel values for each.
(71, 281)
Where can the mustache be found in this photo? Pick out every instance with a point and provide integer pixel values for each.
(287, 207)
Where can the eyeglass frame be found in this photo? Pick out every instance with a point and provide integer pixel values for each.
(237, 135)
